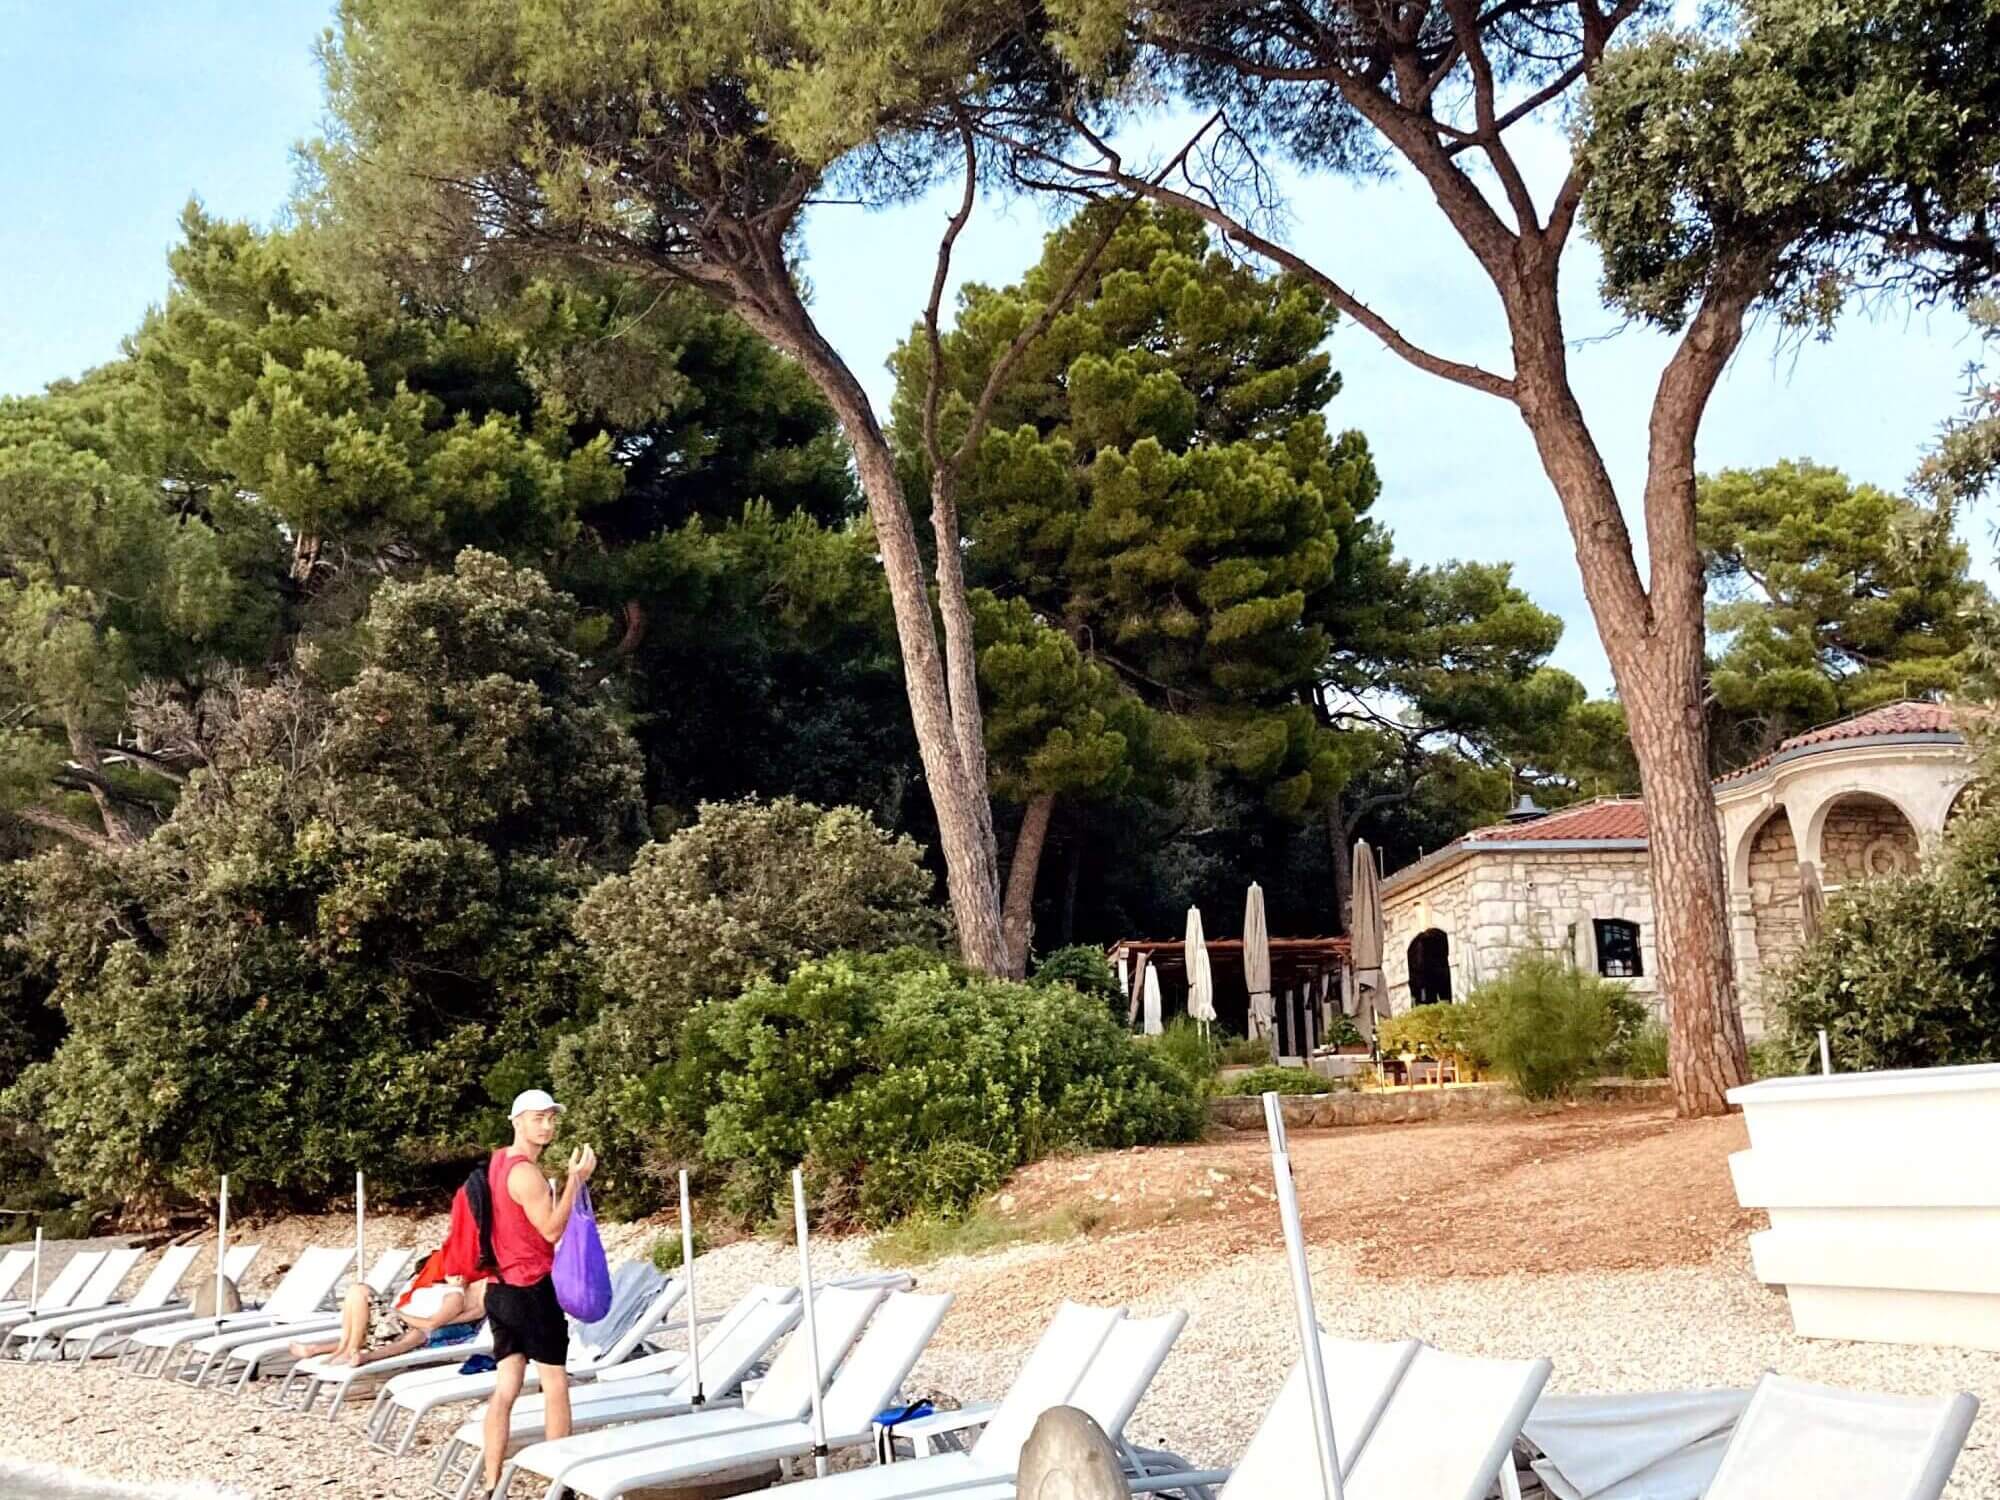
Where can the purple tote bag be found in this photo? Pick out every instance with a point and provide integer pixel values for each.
(582, 1275)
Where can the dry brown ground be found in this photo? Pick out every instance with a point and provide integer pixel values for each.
(1575, 1189)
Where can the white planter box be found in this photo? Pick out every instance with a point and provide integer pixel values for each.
(1884, 1196)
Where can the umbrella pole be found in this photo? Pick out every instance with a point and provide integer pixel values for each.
(1825, 1053)
(221, 1242)
(360, 1227)
(35, 1282)
(820, 1450)
(1295, 1252)
(687, 1272)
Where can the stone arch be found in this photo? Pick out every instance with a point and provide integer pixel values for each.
(1864, 835)
(1771, 876)
(1429, 956)
(1739, 859)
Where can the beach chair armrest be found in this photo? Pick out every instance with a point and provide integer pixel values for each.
(923, 1433)
(1188, 1479)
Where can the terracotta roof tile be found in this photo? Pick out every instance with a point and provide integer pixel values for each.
(1620, 818)
(1890, 718)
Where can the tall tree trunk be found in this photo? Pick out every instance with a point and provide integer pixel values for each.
(1018, 912)
(1654, 639)
(945, 722)
(1340, 846)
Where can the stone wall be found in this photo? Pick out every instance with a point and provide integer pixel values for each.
(1774, 890)
(1399, 1106)
(1497, 901)
(1863, 837)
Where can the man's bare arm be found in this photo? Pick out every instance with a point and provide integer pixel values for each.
(549, 1214)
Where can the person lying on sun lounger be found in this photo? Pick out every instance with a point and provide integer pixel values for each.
(434, 1317)
(444, 1304)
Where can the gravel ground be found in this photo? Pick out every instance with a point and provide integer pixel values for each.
(1680, 1309)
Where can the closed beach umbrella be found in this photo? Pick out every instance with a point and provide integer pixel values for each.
(1584, 943)
(1812, 900)
(1201, 978)
(1257, 963)
(1154, 1026)
(1364, 936)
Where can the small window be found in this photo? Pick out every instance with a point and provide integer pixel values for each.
(1618, 950)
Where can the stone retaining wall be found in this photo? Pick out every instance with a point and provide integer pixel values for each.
(1398, 1106)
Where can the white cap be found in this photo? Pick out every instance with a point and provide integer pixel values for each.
(529, 1099)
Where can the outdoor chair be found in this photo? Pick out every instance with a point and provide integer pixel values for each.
(1796, 1438)
(107, 1330)
(98, 1289)
(302, 1294)
(236, 1358)
(604, 1465)
(62, 1292)
(14, 1267)
(640, 1301)
(155, 1292)
(783, 1396)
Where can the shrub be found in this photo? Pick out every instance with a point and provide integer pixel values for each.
(1544, 1024)
(1439, 1031)
(1087, 971)
(1906, 972)
(744, 893)
(1184, 1048)
(665, 1251)
(1778, 1057)
(1235, 1051)
(1279, 1081)
(1642, 1055)
(906, 1086)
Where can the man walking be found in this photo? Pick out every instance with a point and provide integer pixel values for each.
(521, 1308)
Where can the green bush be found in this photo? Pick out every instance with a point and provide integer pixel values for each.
(1544, 1024)
(906, 1086)
(1235, 1051)
(1184, 1048)
(744, 893)
(1087, 971)
(1779, 1057)
(1278, 1081)
(1642, 1055)
(1906, 972)
(1440, 1031)
(665, 1251)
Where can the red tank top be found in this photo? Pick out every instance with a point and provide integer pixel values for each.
(524, 1256)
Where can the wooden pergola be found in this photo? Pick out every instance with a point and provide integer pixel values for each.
(1304, 972)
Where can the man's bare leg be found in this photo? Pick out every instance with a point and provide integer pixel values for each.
(555, 1401)
(499, 1414)
(401, 1344)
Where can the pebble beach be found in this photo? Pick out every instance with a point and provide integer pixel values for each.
(1699, 1322)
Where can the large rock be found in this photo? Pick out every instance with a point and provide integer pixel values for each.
(204, 1297)
(1068, 1457)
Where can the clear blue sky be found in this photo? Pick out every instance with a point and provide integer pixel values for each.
(118, 113)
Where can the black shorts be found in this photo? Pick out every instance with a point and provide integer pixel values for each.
(527, 1320)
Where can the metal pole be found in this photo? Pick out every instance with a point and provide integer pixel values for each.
(1825, 1054)
(221, 1241)
(35, 1284)
(1295, 1251)
(687, 1271)
(820, 1450)
(360, 1227)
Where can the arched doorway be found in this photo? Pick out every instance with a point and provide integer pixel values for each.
(1774, 888)
(1430, 967)
(1865, 837)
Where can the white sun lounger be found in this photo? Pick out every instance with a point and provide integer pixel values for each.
(783, 1396)
(640, 1301)
(1109, 1390)
(238, 1358)
(107, 1330)
(1795, 1438)
(1644, 1445)
(98, 1289)
(302, 1293)
(155, 1292)
(13, 1266)
(1445, 1432)
(62, 1293)
(608, 1464)
(736, 1346)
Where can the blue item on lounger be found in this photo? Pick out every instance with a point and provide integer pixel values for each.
(451, 1333)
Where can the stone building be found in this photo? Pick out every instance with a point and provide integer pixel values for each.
(1858, 798)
